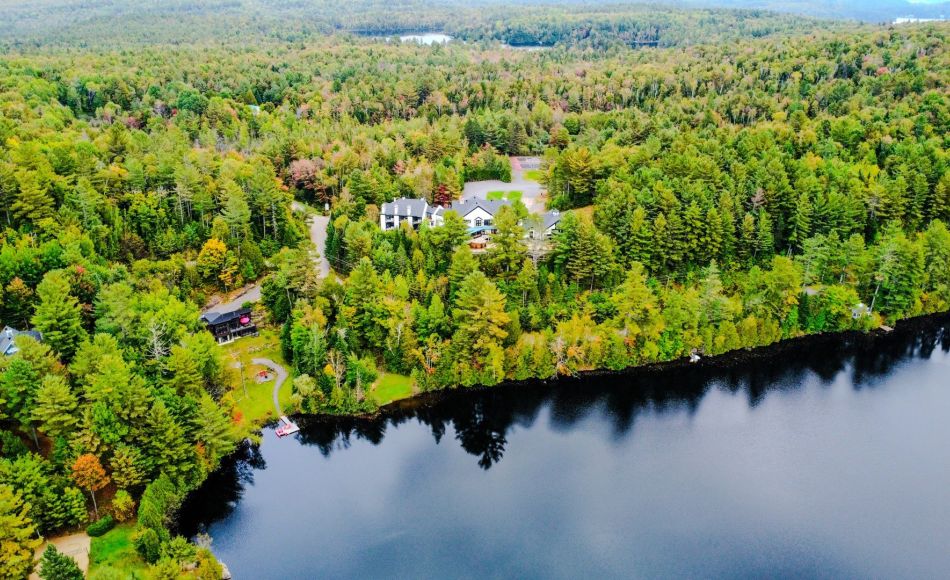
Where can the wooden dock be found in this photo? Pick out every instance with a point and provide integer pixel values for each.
(287, 427)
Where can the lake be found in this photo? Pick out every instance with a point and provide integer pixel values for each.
(826, 458)
(426, 38)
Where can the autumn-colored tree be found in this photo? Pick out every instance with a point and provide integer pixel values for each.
(17, 535)
(211, 259)
(88, 473)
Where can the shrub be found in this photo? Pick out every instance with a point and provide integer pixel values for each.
(147, 544)
(123, 506)
(101, 526)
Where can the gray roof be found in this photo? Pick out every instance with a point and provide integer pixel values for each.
(405, 207)
(222, 317)
(8, 338)
(551, 218)
(463, 208)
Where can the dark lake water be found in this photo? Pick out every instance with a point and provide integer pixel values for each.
(829, 458)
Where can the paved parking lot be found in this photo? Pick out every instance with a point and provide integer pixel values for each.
(532, 191)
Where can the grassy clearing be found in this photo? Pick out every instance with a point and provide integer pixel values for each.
(257, 406)
(390, 387)
(587, 210)
(113, 555)
(533, 174)
(511, 196)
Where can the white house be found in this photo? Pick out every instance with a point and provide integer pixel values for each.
(413, 211)
(479, 214)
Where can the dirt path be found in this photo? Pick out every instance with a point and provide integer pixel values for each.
(76, 546)
(281, 377)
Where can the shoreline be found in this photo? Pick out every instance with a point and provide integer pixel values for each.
(720, 361)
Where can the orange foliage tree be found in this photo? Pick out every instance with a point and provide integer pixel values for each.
(89, 473)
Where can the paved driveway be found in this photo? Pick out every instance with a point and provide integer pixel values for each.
(318, 235)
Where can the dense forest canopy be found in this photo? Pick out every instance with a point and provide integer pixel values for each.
(80, 23)
(672, 23)
(727, 179)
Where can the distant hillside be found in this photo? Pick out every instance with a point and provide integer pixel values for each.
(867, 10)
(110, 23)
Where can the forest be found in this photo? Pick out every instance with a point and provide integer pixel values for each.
(727, 180)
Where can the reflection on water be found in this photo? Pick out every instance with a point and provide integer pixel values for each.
(579, 464)
(426, 38)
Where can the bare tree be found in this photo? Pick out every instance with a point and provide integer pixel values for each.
(157, 347)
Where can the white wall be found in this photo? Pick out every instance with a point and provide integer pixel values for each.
(477, 213)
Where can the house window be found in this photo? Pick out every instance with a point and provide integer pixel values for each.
(478, 222)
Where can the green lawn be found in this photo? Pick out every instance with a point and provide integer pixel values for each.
(257, 406)
(390, 387)
(533, 174)
(113, 555)
(512, 196)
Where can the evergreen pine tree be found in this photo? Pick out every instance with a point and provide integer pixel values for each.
(58, 315)
(801, 221)
(32, 203)
(55, 408)
(55, 565)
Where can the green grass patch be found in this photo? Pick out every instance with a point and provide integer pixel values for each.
(113, 555)
(511, 196)
(256, 406)
(533, 174)
(391, 387)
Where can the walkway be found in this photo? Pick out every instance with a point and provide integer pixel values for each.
(281, 377)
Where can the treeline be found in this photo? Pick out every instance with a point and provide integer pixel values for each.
(40, 24)
(124, 389)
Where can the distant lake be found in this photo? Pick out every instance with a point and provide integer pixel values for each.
(426, 38)
(828, 458)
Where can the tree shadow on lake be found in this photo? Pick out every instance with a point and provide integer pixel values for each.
(481, 419)
(220, 493)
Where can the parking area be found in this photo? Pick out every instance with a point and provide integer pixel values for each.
(532, 193)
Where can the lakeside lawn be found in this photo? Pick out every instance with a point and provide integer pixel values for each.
(511, 196)
(257, 406)
(113, 555)
(390, 387)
